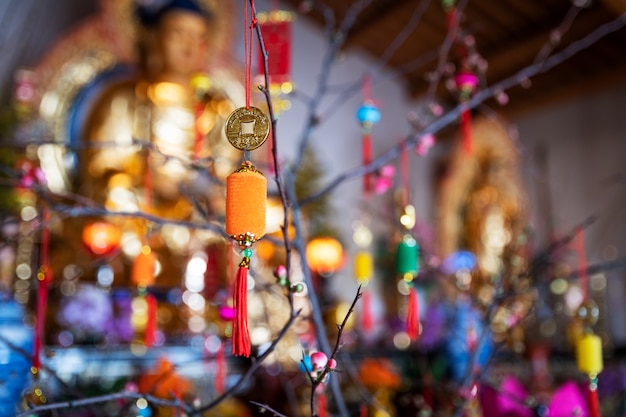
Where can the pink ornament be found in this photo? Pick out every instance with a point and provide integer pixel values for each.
(466, 81)
(226, 313)
(425, 143)
(318, 361)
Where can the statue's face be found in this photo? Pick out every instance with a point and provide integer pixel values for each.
(183, 38)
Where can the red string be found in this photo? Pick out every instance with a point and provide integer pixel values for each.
(582, 263)
(404, 171)
(367, 87)
(248, 25)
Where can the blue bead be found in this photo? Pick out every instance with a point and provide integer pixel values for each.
(368, 113)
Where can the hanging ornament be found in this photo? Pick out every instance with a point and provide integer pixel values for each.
(588, 346)
(144, 304)
(407, 254)
(407, 266)
(466, 83)
(247, 128)
(367, 115)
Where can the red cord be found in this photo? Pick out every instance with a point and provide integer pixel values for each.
(404, 169)
(248, 25)
(582, 263)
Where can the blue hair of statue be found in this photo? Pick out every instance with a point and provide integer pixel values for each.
(150, 12)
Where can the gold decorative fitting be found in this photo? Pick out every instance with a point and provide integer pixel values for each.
(244, 241)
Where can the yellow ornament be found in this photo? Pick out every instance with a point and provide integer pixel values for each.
(589, 354)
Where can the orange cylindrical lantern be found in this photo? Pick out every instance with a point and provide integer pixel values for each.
(246, 201)
(144, 267)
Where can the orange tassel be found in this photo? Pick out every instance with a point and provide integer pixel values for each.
(241, 333)
(412, 316)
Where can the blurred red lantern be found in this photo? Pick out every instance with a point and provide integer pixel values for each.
(101, 238)
(324, 254)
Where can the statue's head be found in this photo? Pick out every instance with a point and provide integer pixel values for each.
(176, 38)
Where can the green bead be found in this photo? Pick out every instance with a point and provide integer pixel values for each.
(247, 252)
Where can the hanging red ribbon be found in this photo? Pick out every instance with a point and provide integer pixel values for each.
(322, 405)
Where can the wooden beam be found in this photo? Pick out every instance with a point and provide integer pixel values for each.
(616, 6)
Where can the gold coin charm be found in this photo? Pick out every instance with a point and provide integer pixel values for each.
(247, 128)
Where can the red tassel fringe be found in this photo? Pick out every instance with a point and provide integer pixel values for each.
(241, 334)
(322, 405)
(151, 322)
(412, 316)
(594, 402)
(466, 128)
(367, 321)
(367, 158)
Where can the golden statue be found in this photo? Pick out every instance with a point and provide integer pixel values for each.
(135, 100)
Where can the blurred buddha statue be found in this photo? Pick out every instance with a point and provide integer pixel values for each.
(145, 132)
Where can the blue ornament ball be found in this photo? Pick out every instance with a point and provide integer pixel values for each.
(368, 114)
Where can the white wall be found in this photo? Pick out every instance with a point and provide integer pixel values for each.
(584, 174)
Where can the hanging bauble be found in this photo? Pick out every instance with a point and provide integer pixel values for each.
(407, 254)
(368, 114)
(324, 254)
(101, 238)
(144, 268)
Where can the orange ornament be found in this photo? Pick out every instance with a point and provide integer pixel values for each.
(101, 238)
(144, 267)
(246, 201)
